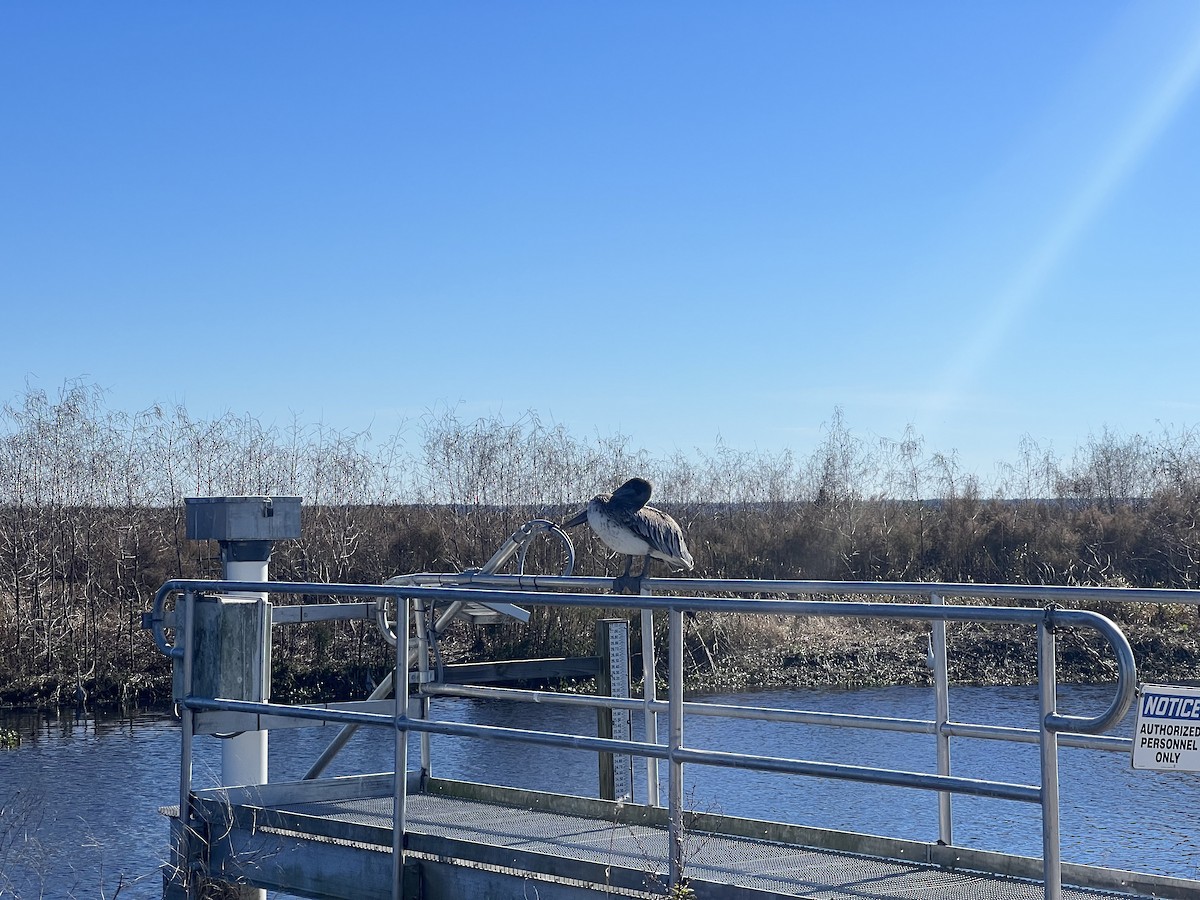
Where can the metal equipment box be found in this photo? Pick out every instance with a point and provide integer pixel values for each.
(242, 518)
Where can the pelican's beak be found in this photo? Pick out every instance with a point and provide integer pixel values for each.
(578, 519)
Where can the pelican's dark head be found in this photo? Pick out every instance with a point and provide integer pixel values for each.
(632, 495)
(628, 498)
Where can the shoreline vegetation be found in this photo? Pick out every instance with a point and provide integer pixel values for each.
(91, 524)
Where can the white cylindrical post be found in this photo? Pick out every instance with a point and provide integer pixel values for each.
(650, 693)
(675, 835)
(1048, 699)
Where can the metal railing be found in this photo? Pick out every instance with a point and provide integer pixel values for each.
(425, 593)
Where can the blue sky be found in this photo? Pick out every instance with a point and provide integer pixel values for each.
(683, 222)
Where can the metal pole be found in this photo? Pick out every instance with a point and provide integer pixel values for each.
(650, 694)
(674, 742)
(400, 795)
(183, 846)
(424, 625)
(1047, 691)
(941, 693)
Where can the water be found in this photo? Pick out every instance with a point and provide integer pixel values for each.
(80, 796)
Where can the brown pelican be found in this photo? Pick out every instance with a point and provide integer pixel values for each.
(625, 524)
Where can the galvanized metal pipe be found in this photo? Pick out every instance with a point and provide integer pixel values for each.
(1014, 734)
(717, 710)
(1104, 743)
(400, 779)
(649, 698)
(187, 722)
(1126, 668)
(941, 694)
(1039, 594)
(424, 612)
(978, 787)
(675, 835)
(1047, 693)
(865, 774)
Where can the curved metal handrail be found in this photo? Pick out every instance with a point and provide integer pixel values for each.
(465, 591)
(1126, 672)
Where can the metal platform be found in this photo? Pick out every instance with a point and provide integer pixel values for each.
(371, 837)
(337, 843)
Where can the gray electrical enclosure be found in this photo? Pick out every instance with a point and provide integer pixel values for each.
(242, 518)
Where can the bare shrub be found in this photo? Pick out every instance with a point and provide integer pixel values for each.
(91, 520)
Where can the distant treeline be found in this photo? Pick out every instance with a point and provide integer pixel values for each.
(91, 521)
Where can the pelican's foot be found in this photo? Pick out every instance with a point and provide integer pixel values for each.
(627, 584)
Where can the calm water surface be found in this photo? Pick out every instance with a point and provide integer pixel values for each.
(80, 796)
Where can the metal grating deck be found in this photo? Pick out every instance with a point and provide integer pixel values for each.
(758, 865)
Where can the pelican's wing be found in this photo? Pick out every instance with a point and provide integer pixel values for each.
(663, 534)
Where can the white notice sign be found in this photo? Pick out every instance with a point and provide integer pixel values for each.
(1168, 728)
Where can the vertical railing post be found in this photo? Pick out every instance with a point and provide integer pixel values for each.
(424, 610)
(674, 742)
(650, 694)
(187, 722)
(941, 693)
(400, 796)
(1048, 744)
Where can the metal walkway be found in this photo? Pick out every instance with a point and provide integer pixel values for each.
(619, 856)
